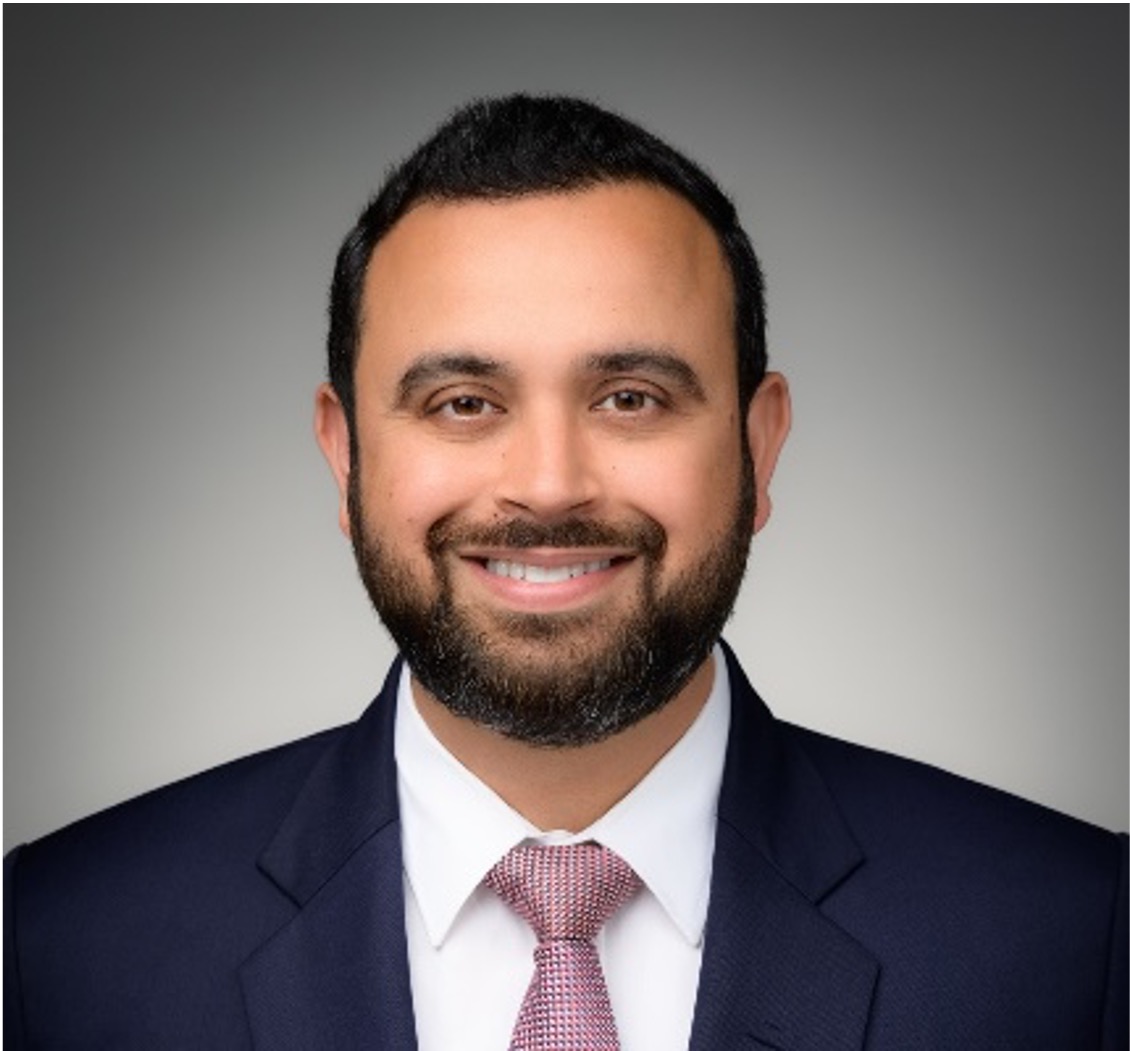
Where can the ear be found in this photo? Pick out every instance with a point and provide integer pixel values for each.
(332, 432)
(767, 426)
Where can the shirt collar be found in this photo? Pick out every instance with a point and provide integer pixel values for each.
(454, 828)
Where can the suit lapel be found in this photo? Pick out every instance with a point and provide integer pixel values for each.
(336, 976)
(776, 973)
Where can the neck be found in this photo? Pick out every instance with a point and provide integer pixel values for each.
(566, 788)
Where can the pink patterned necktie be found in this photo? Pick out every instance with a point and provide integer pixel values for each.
(566, 894)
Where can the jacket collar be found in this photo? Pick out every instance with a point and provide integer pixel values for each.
(777, 973)
(336, 976)
(775, 800)
(349, 797)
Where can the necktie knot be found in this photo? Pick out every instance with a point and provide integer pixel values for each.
(566, 892)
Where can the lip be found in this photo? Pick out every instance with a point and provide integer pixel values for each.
(545, 580)
(546, 557)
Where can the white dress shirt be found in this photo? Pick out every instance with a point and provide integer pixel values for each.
(471, 957)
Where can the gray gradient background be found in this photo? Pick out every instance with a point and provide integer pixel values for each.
(939, 197)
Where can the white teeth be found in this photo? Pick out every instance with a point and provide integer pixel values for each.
(544, 574)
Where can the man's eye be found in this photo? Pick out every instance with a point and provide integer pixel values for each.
(628, 401)
(465, 406)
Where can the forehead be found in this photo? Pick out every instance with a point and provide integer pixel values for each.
(568, 272)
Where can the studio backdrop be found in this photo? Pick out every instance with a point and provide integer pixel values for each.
(938, 195)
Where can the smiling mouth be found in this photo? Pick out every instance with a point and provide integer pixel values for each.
(534, 574)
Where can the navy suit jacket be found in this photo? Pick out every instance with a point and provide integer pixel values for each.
(858, 901)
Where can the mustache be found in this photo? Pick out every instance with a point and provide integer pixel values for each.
(645, 536)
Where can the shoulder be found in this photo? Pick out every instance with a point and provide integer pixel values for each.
(894, 804)
(188, 849)
(988, 914)
(148, 908)
(975, 896)
(905, 819)
(228, 811)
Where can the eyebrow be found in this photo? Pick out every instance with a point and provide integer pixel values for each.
(645, 359)
(430, 367)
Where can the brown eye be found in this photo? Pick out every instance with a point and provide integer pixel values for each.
(628, 401)
(465, 407)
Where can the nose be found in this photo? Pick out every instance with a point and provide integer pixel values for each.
(547, 469)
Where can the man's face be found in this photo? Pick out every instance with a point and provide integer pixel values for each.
(550, 499)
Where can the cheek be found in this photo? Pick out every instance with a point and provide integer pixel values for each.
(684, 486)
(408, 488)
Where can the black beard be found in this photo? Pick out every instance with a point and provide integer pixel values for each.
(590, 689)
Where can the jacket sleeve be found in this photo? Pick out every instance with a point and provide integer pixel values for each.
(1116, 1021)
(14, 1036)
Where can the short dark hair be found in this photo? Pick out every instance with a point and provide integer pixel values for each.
(521, 145)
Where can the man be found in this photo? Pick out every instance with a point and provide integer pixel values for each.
(553, 431)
